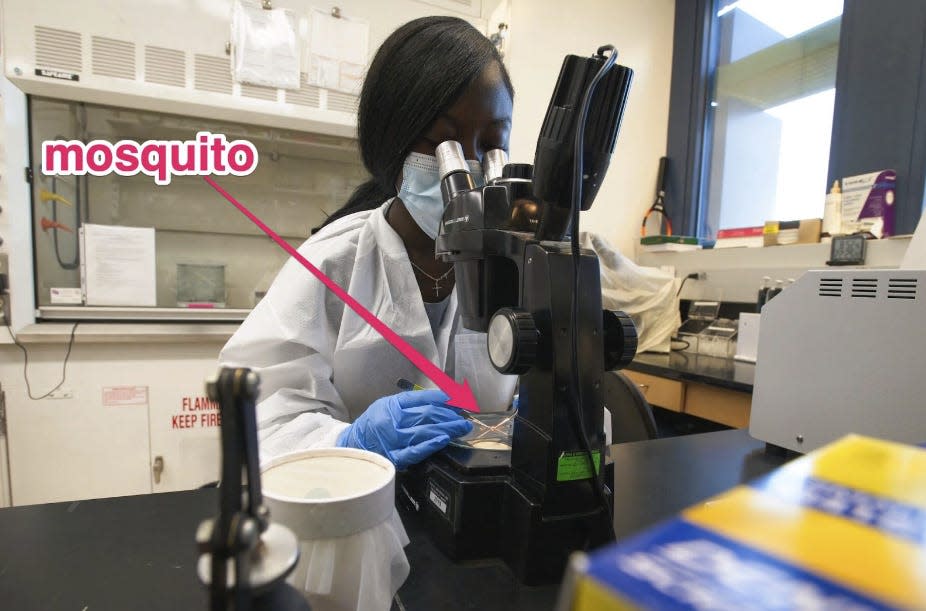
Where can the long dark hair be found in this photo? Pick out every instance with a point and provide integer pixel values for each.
(418, 72)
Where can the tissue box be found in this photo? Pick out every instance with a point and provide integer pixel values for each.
(843, 527)
(868, 203)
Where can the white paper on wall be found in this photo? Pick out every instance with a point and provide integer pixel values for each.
(266, 46)
(338, 51)
(118, 265)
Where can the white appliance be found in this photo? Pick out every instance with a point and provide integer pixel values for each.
(841, 351)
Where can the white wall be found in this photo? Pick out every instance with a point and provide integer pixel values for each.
(78, 447)
(734, 274)
(542, 33)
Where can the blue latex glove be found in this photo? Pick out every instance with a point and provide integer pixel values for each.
(406, 428)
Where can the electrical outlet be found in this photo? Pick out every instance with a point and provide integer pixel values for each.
(61, 393)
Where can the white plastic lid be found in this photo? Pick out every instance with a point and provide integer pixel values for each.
(330, 492)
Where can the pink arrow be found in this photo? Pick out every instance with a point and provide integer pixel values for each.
(461, 395)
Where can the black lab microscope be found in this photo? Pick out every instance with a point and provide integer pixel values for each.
(538, 298)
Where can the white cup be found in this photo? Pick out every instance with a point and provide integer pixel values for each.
(340, 504)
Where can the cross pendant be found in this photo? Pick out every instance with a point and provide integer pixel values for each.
(436, 289)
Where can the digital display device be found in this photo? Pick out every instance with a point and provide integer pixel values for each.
(847, 250)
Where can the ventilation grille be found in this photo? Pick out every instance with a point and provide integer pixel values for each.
(306, 95)
(58, 50)
(901, 288)
(343, 102)
(865, 287)
(212, 74)
(115, 58)
(165, 67)
(830, 287)
(258, 92)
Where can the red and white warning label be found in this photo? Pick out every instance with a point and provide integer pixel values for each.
(195, 413)
(122, 396)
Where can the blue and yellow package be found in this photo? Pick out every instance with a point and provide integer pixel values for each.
(842, 528)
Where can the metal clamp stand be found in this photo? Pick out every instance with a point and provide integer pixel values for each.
(243, 557)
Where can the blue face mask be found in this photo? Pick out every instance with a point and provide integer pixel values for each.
(420, 191)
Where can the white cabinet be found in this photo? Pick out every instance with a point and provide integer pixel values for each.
(184, 424)
(121, 406)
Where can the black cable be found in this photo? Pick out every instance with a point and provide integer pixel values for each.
(75, 263)
(692, 276)
(64, 367)
(78, 198)
(576, 205)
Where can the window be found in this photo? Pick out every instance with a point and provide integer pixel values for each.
(774, 99)
(210, 261)
(771, 112)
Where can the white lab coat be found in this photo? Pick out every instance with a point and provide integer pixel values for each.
(321, 365)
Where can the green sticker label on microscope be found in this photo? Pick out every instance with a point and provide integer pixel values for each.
(574, 465)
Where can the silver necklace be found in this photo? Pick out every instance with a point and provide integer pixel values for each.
(437, 279)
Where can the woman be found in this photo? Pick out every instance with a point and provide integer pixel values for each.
(327, 378)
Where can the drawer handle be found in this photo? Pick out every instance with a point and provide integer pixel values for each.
(644, 388)
(158, 468)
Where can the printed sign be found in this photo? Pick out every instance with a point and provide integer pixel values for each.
(196, 413)
(124, 396)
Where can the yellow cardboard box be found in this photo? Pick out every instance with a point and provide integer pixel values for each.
(842, 528)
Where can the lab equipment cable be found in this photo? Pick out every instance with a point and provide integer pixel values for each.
(691, 276)
(676, 338)
(74, 263)
(577, 178)
(80, 183)
(64, 367)
(81, 198)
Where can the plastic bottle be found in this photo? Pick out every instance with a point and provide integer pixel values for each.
(773, 292)
(764, 288)
(832, 211)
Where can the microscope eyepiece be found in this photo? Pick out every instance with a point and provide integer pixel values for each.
(454, 171)
(450, 158)
(493, 163)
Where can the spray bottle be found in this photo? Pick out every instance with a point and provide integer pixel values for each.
(832, 211)
(764, 288)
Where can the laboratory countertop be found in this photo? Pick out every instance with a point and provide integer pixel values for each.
(138, 552)
(687, 367)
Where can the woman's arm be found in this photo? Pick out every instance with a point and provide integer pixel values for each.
(288, 339)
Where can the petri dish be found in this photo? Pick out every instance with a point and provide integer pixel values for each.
(491, 431)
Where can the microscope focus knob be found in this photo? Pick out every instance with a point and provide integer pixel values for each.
(512, 340)
(620, 339)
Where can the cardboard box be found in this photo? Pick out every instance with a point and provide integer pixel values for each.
(843, 527)
(868, 203)
(780, 233)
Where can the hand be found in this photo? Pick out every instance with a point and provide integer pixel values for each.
(406, 428)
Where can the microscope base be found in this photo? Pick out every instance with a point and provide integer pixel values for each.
(536, 548)
(480, 513)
